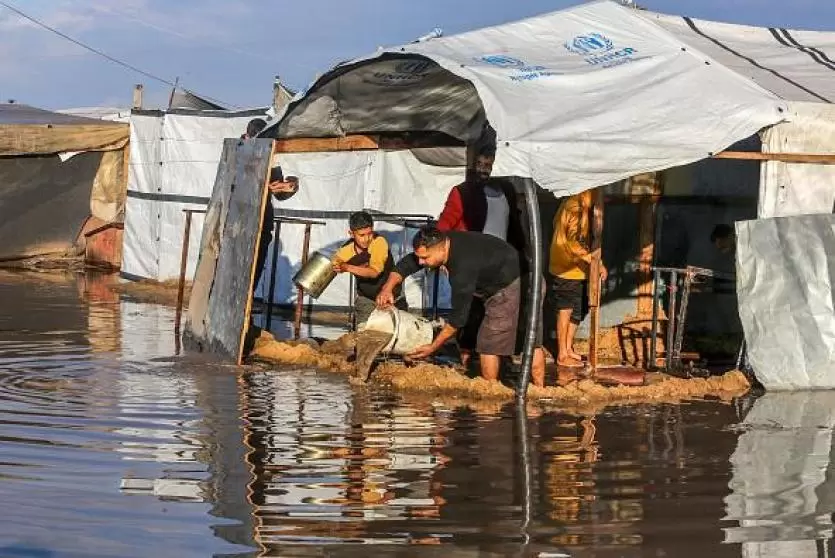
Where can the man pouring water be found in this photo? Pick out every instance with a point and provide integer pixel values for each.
(480, 265)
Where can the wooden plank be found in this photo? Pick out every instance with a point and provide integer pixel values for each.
(197, 323)
(323, 145)
(221, 301)
(646, 242)
(594, 277)
(255, 175)
(813, 158)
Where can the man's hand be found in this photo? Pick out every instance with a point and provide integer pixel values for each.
(283, 187)
(604, 273)
(339, 266)
(385, 298)
(424, 351)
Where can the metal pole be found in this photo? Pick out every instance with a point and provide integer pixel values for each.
(297, 325)
(682, 318)
(671, 319)
(535, 294)
(271, 290)
(527, 476)
(181, 287)
(653, 344)
(436, 284)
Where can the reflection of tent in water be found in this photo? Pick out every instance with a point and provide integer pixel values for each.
(782, 487)
(57, 170)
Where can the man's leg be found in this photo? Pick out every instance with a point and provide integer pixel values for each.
(490, 365)
(497, 334)
(565, 337)
(363, 307)
(538, 367)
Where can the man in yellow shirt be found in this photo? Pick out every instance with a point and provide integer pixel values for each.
(570, 263)
(367, 257)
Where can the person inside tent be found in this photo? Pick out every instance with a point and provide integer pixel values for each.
(478, 265)
(367, 257)
(280, 189)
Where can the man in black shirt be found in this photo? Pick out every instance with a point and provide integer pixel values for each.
(478, 265)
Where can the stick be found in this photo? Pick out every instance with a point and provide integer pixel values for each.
(594, 278)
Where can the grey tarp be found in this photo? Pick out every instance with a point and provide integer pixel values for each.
(785, 271)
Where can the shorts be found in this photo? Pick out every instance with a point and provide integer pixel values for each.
(497, 334)
(571, 294)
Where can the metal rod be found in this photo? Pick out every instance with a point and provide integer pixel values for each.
(181, 287)
(352, 314)
(682, 319)
(653, 343)
(535, 293)
(271, 290)
(436, 285)
(297, 324)
(527, 477)
(671, 319)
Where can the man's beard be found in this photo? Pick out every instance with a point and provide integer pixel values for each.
(479, 178)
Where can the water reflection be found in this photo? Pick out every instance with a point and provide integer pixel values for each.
(783, 491)
(109, 442)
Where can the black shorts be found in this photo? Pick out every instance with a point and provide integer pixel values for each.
(573, 294)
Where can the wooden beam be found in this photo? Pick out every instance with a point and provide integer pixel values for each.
(811, 158)
(646, 242)
(324, 145)
(594, 277)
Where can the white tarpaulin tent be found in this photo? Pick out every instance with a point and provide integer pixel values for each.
(578, 98)
(173, 163)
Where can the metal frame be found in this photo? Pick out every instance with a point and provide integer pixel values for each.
(676, 318)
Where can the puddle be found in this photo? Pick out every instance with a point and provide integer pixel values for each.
(110, 445)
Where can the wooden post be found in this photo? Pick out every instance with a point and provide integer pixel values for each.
(646, 241)
(594, 277)
(137, 96)
(297, 325)
(183, 265)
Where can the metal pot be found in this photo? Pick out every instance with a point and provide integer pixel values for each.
(315, 276)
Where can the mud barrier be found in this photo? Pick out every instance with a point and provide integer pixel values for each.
(448, 383)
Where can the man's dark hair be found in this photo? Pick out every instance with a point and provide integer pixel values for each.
(255, 126)
(428, 237)
(360, 220)
(721, 232)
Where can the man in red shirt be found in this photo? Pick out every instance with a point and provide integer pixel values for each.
(491, 207)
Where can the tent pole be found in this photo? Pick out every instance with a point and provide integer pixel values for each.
(534, 298)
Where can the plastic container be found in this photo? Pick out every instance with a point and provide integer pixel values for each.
(408, 331)
(315, 276)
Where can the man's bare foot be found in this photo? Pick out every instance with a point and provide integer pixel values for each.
(570, 362)
(575, 356)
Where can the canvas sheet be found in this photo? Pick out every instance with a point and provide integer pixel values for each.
(785, 270)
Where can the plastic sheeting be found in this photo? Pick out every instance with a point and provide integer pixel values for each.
(785, 274)
(578, 98)
(173, 163)
(797, 189)
(781, 490)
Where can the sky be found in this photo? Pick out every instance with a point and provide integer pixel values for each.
(230, 50)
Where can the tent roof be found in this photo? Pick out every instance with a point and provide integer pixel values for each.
(578, 98)
(26, 130)
(796, 65)
(14, 113)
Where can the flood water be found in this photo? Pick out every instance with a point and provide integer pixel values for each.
(112, 445)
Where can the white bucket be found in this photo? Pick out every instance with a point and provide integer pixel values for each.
(408, 331)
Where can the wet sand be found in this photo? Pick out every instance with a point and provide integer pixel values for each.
(112, 444)
(430, 379)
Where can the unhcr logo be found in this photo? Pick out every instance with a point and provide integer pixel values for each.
(598, 50)
(501, 61)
